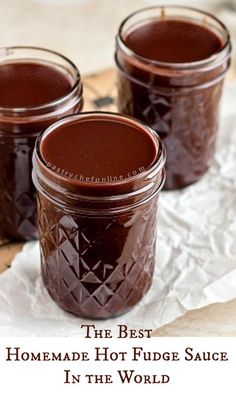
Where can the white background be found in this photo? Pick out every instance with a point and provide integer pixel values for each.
(83, 30)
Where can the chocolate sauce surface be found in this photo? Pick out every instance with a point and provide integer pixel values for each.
(98, 250)
(27, 84)
(178, 97)
(173, 41)
(98, 148)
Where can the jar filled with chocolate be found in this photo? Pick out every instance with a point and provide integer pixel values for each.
(98, 177)
(171, 64)
(37, 87)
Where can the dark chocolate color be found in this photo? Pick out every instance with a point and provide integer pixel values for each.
(98, 150)
(180, 104)
(97, 266)
(97, 262)
(24, 84)
(18, 210)
(173, 41)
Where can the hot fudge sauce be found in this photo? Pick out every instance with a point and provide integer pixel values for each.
(37, 87)
(173, 41)
(98, 177)
(171, 64)
(99, 152)
(28, 84)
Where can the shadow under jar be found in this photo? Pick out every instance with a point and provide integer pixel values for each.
(37, 87)
(98, 177)
(171, 65)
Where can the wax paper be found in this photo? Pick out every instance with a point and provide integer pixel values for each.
(196, 261)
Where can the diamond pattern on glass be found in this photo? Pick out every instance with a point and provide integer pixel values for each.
(18, 216)
(97, 266)
(186, 122)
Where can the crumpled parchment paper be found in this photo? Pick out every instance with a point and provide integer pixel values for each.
(196, 263)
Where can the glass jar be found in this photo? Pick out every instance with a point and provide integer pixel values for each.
(19, 128)
(98, 240)
(178, 100)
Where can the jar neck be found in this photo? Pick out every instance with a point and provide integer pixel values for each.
(29, 123)
(171, 85)
(104, 194)
(102, 205)
(158, 73)
(30, 120)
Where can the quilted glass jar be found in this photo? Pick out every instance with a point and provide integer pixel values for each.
(178, 100)
(98, 241)
(20, 124)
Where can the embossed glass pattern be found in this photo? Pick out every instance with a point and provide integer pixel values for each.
(98, 252)
(19, 128)
(82, 275)
(179, 101)
(18, 218)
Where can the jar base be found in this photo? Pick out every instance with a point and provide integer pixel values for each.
(92, 317)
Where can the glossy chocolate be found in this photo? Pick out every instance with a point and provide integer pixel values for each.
(33, 94)
(97, 150)
(171, 72)
(98, 238)
(173, 41)
(29, 84)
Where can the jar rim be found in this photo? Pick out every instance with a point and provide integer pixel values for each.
(156, 166)
(6, 50)
(180, 66)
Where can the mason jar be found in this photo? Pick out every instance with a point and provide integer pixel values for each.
(27, 75)
(97, 237)
(179, 100)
